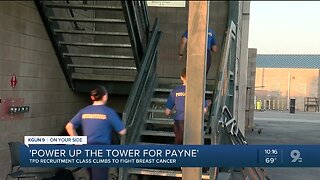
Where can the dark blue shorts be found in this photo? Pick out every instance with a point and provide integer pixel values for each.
(98, 173)
(178, 131)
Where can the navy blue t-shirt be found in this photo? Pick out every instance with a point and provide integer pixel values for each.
(211, 38)
(177, 99)
(97, 122)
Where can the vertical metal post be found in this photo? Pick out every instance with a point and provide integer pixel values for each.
(195, 87)
(289, 84)
(243, 70)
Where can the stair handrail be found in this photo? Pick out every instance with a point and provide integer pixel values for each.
(218, 100)
(221, 120)
(145, 13)
(136, 16)
(75, 24)
(146, 75)
(221, 90)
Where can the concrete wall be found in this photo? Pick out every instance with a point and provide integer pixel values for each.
(304, 83)
(25, 50)
(173, 23)
(250, 106)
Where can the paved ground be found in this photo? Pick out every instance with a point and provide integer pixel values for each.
(285, 128)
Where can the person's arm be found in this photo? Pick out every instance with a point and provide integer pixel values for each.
(207, 104)
(167, 112)
(123, 132)
(117, 124)
(74, 123)
(183, 43)
(169, 105)
(214, 46)
(71, 130)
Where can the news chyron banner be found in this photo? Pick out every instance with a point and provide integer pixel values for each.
(76, 153)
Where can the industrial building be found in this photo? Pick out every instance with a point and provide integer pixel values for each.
(281, 77)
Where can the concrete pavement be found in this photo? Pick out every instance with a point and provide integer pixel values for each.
(284, 128)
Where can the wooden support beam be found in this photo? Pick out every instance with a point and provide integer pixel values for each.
(196, 79)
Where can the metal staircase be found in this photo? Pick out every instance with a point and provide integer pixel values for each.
(157, 129)
(97, 42)
(147, 124)
(111, 43)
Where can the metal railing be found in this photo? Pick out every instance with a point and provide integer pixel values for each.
(142, 87)
(222, 121)
(75, 24)
(137, 104)
(222, 85)
(221, 92)
(136, 16)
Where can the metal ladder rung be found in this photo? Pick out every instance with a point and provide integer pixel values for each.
(86, 20)
(102, 67)
(82, 6)
(90, 32)
(99, 56)
(95, 44)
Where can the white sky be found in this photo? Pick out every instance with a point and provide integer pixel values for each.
(285, 27)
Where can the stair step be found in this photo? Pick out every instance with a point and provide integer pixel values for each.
(102, 67)
(86, 20)
(161, 100)
(163, 133)
(90, 32)
(156, 110)
(162, 90)
(160, 121)
(160, 172)
(99, 56)
(157, 133)
(95, 44)
(99, 77)
(82, 6)
(169, 90)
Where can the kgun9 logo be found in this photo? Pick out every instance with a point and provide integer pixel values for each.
(295, 155)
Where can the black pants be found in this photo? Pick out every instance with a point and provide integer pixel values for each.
(98, 173)
(178, 131)
(208, 62)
